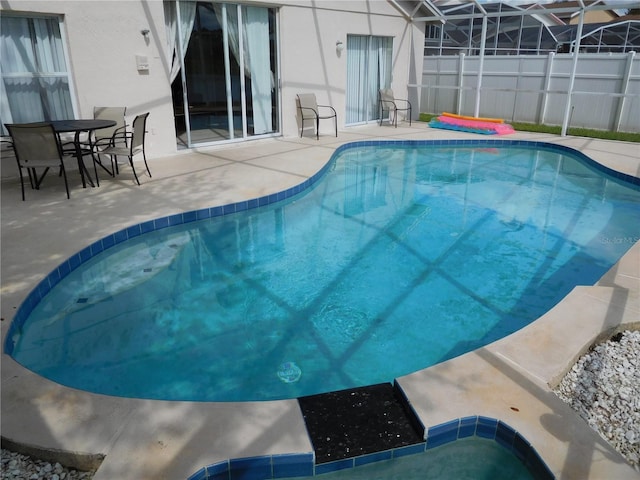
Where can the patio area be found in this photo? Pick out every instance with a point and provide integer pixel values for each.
(139, 439)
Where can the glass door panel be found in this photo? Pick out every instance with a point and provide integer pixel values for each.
(368, 70)
(229, 76)
(204, 64)
(259, 73)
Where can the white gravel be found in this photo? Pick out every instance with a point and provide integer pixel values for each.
(604, 388)
(16, 466)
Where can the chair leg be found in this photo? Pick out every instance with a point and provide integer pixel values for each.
(66, 184)
(32, 174)
(134, 170)
(38, 181)
(95, 169)
(22, 181)
(302, 127)
(144, 157)
(102, 165)
(317, 128)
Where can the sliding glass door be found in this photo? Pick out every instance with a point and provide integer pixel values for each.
(368, 70)
(226, 86)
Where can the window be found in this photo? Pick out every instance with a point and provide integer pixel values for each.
(35, 79)
(433, 32)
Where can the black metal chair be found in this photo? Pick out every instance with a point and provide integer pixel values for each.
(109, 137)
(36, 146)
(310, 110)
(136, 146)
(391, 104)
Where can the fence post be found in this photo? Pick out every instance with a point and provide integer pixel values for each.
(460, 82)
(572, 78)
(624, 88)
(547, 86)
(483, 40)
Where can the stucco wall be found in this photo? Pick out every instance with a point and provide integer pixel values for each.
(310, 62)
(103, 39)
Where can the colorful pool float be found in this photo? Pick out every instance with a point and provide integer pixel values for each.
(486, 126)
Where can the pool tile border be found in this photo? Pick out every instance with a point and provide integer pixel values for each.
(301, 465)
(127, 233)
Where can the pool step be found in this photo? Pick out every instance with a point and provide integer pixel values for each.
(358, 421)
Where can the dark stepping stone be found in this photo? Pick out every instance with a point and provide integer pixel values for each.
(354, 422)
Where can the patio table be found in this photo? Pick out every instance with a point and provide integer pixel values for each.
(79, 126)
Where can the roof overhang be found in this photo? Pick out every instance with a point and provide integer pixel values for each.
(446, 9)
(409, 9)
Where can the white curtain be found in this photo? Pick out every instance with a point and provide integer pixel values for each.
(373, 80)
(368, 70)
(184, 16)
(381, 54)
(232, 31)
(385, 53)
(356, 75)
(256, 45)
(255, 60)
(35, 83)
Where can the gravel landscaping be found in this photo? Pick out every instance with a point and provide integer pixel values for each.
(604, 388)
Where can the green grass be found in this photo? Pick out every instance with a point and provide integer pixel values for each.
(555, 130)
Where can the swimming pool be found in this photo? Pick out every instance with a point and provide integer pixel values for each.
(467, 459)
(466, 448)
(451, 247)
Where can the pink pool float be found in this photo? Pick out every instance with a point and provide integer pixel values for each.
(486, 126)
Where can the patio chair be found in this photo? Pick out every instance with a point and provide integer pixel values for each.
(36, 146)
(6, 146)
(135, 146)
(109, 137)
(389, 103)
(310, 110)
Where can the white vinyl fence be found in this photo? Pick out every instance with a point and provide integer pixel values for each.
(535, 89)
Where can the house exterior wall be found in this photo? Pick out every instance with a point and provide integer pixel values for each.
(103, 39)
(593, 16)
(310, 63)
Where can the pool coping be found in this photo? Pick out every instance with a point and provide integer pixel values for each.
(414, 386)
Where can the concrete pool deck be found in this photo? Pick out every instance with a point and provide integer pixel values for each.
(509, 380)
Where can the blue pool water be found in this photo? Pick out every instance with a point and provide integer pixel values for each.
(400, 257)
(468, 459)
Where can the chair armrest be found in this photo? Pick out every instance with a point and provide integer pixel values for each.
(122, 131)
(315, 113)
(329, 106)
(403, 100)
(66, 145)
(102, 142)
(120, 135)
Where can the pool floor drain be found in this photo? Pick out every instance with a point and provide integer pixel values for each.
(289, 372)
(354, 422)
